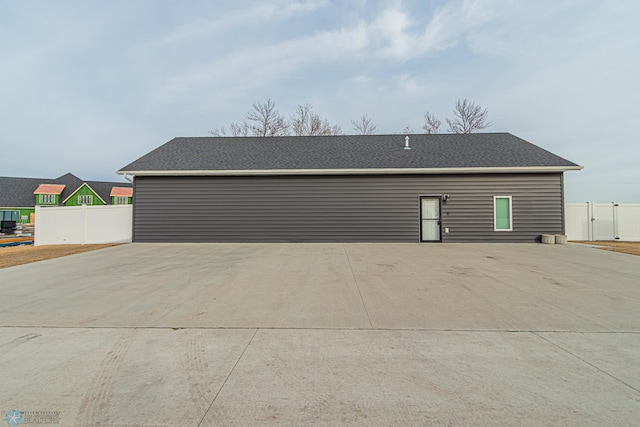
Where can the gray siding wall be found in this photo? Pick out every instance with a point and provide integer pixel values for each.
(349, 208)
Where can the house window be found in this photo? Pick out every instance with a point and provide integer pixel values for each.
(9, 215)
(120, 200)
(502, 213)
(48, 199)
(85, 199)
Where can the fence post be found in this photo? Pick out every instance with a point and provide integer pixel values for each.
(590, 220)
(616, 228)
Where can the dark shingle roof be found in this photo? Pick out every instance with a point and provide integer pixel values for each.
(480, 150)
(18, 192)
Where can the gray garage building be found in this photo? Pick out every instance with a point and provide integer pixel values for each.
(489, 187)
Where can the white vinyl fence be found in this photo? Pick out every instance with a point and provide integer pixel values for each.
(602, 221)
(57, 225)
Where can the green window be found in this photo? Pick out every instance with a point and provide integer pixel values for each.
(120, 200)
(47, 199)
(502, 213)
(85, 199)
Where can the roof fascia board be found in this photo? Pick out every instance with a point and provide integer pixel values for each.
(390, 171)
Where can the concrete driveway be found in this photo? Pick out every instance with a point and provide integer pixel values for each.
(290, 334)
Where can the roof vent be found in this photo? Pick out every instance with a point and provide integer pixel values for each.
(406, 143)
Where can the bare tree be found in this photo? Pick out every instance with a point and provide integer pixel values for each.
(239, 129)
(469, 118)
(235, 129)
(301, 120)
(218, 132)
(307, 123)
(265, 120)
(363, 125)
(431, 123)
(407, 130)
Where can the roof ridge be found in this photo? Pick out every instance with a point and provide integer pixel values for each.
(340, 136)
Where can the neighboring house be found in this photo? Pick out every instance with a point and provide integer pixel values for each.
(121, 195)
(19, 196)
(491, 187)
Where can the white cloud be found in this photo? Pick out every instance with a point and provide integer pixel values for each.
(402, 38)
(361, 79)
(392, 35)
(199, 27)
(259, 66)
(390, 30)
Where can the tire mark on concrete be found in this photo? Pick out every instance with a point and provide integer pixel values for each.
(93, 410)
(20, 340)
(317, 400)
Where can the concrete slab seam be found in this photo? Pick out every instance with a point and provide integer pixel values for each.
(587, 362)
(324, 328)
(227, 378)
(355, 280)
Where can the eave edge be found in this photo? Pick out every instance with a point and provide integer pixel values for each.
(388, 171)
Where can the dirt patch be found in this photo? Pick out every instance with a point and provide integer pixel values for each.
(18, 255)
(632, 248)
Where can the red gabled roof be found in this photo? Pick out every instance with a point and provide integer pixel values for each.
(122, 192)
(49, 189)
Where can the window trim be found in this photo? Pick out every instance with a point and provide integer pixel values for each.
(47, 199)
(121, 200)
(89, 198)
(510, 213)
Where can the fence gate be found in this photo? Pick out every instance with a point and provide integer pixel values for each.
(603, 221)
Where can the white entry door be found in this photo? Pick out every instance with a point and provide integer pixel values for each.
(430, 219)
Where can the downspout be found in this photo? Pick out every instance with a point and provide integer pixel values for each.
(133, 208)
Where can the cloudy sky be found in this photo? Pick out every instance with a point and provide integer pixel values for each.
(89, 86)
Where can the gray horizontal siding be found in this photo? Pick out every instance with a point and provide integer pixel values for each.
(376, 208)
